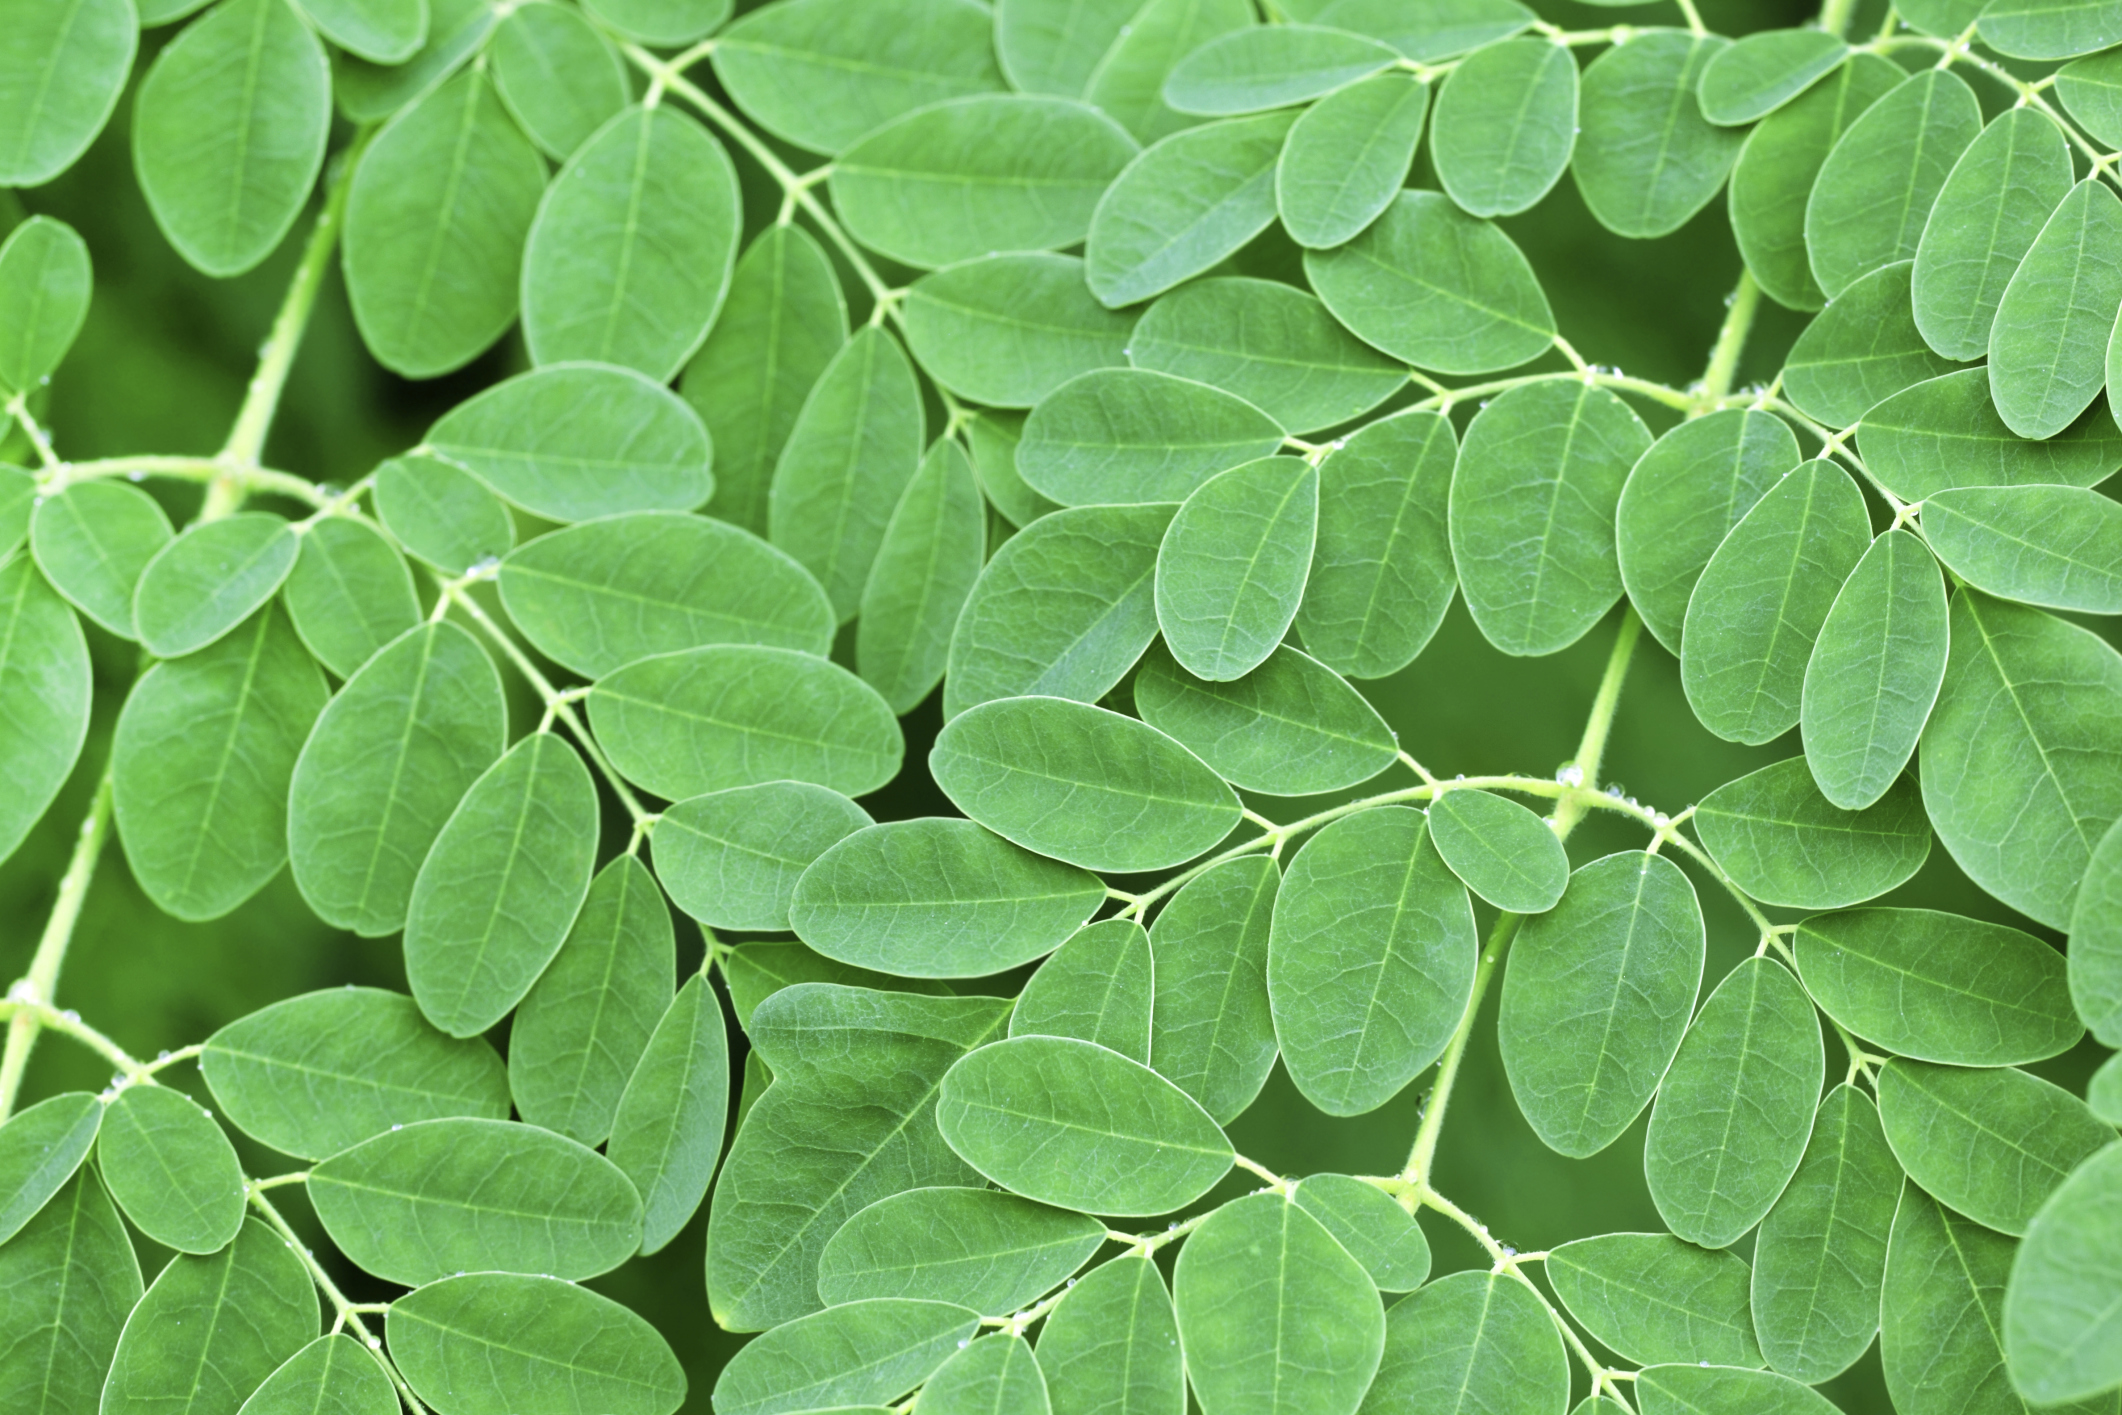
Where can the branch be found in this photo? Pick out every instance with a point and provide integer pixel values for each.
(30, 997)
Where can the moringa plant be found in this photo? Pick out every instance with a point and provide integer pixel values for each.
(1110, 389)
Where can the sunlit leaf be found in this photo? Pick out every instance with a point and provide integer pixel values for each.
(1131, 436)
(332, 1375)
(1784, 843)
(2048, 348)
(440, 513)
(1876, 187)
(1861, 350)
(40, 1149)
(980, 1248)
(210, 579)
(1653, 1298)
(1233, 564)
(1941, 1314)
(1291, 727)
(1505, 125)
(1097, 987)
(1010, 329)
(1649, 160)
(1990, 1143)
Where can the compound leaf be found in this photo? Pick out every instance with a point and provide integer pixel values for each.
(1346, 158)
(1132, 436)
(979, 1248)
(931, 557)
(1784, 843)
(667, 1126)
(2048, 346)
(1212, 1030)
(1651, 1298)
(2057, 546)
(856, 1353)
(349, 593)
(2060, 1329)
(1233, 563)
(1009, 329)
(1503, 852)
(1649, 160)
(210, 579)
(1291, 727)
(1097, 987)
(171, 1169)
(1112, 1346)
(1993, 204)
(1876, 188)
(92, 540)
(1505, 126)
(1473, 1341)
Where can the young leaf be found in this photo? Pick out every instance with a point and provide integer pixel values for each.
(2061, 1333)
(1212, 1033)
(69, 1280)
(210, 579)
(442, 514)
(1472, 1341)
(2048, 347)
(938, 898)
(1784, 843)
(1112, 1346)
(1762, 72)
(560, 78)
(1505, 126)
(1371, 1225)
(1291, 727)
(40, 1149)
(731, 858)
(2019, 772)
(331, 1374)
(1504, 852)
(667, 1127)
(979, 1248)
(171, 1169)
(45, 283)
(683, 724)
(931, 557)
(1370, 961)
(1070, 1123)
(1945, 433)
(45, 680)
(1652, 1298)
(1254, 69)
(1532, 512)
(1876, 188)
(1820, 1258)
(1233, 564)
(60, 76)
(1862, 349)
(1346, 158)
(489, 1343)
(862, 1353)
(1596, 998)
(1274, 1314)
(1130, 436)
(1010, 329)
(1097, 987)
(631, 251)
(1941, 1314)
(1991, 207)
(384, 768)
(381, 31)
(1725, 1390)
(92, 540)
(349, 594)
(662, 22)
(1649, 160)
(1939, 987)
(1438, 288)
(1736, 1107)
(2050, 29)
(2095, 962)
(435, 223)
(583, 1025)
(2058, 546)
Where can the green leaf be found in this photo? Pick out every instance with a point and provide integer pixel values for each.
(1438, 30)
(966, 178)
(1291, 727)
(211, 1329)
(1876, 188)
(1991, 207)
(1725, 1390)
(1271, 344)
(1874, 672)
(1649, 160)
(931, 557)
(45, 282)
(2059, 546)
(332, 1375)
(1820, 1258)
(227, 166)
(662, 22)
(992, 441)
(1774, 177)
(849, 1120)
(2050, 29)
(1112, 1346)
(1183, 205)
(1347, 156)
(849, 456)
(731, 858)
(1939, 987)
(60, 76)
(1009, 329)
(609, 592)
(1081, 784)
(1945, 433)
(1254, 69)
(171, 1169)
(382, 31)
(1371, 1225)
(822, 73)
(2019, 770)
(560, 78)
(1863, 349)
(2088, 88)
(756, 971)
(1381, 570)
(1506, 124)
(1596, 999)
(210, 579)
(1683, 497)
(1735, 1108)
(2060, 1327)
(858, 1353)
(994, 1376)
(1274, 1314)
(1532, 512)
(584, 1023)
(1942, 1312)
(1141, 43)
(1064, 608)
(368, 93)
(1784, 843)
(1233, 565)
(18, 500)
(201, 764)
(322, 1072)
(441, 513)
(1652, 1298)
(1991, 1143)
(68, 1280)
(1073, 1124)
(979, 1248)
(1429, 284)
(1762, 599)
(938, 898)
(1942, 19)
(780, 326)
(2048, 348)
(490, 1343)
(1130, 436)
(501, 885)
(684, 724)
(349, 593)
(40, 1149)
(2095, 963)
(667, 1127)
(580, 440)
(1370, 961)
(435, 223)
(1764, 71)
(92, 540)
(1503, 852)
(1212, 1031)
(45, 680)
(2104, 1092)
(384, 768)
(417, 1203)
(632, 249)
(1473, 1341)
(1097, 987)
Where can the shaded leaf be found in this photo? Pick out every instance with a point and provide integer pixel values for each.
(1346, 158)
(662, 22)
(994, 1376)
(931, 557)
(1233, 563)
(1990, 1144)
(1257, 68)
(1725, 1390)
(1941, 1314)
(1291, 727)
(2095, 962)
(1653, 1298)
(2050, 29)
(1649, 159)
(1212, 1032)
(1010, 329)
(2048, 347)
(1505, 125)
(667, 1127)
(1862, 349)
(332, 1375)
(210, 579)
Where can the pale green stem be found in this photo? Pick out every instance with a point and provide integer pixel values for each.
(250, 481)
(1424, 1153)
(18, 408)
(33, 992)
(1731, 340)
(1591, 749)
(1619, 382)
(1834, 15)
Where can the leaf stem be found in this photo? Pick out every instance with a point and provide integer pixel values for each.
(32, 994)
(1731, 340)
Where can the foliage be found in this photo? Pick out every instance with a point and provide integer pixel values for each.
(1187, 387)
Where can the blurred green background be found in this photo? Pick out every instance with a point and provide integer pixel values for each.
(161, 367)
